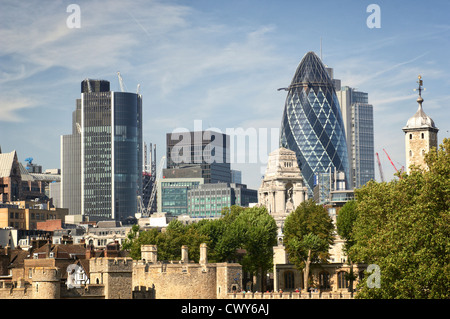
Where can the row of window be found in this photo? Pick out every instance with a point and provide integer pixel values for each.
(324, 279)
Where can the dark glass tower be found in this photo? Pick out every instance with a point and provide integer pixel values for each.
(312, 123)
(102, 159)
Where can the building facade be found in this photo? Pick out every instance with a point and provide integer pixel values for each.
(105, 151)
(206, 152)
(172, 194)
(208, 200)
(312, 124)
(283, 187)
(357, 116)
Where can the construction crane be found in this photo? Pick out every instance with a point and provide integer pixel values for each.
(122, 87)
(146, 211)
(158, 177)
(390, 160)
(138, 89)
(401, 170)
(380, 168)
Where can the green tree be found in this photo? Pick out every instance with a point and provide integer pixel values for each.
(257, 232)
(344, 223)
(403, 227)
(308, 234)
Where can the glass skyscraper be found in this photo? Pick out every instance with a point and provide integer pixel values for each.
(358, 122)
(312, 124)
(107, 142)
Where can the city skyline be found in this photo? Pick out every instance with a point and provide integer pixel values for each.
(221, 63)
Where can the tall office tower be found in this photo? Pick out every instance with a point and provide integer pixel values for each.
(312, 124)
(420, 135)
(101, 161)
(357, 115)
(200, 154)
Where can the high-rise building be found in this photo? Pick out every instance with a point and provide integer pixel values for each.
(208, 200)
(173, 194)
(420, 135)
(199, 154)
(312, 124)
(236, 176)
(357, 116)
(101, 161)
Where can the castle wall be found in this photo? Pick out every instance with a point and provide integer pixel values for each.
(115, 274)
(177, 281)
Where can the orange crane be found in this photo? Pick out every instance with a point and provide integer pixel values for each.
(379, 167)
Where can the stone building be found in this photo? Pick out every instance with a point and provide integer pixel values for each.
(185, 279)
(420, 135)
(282, 188)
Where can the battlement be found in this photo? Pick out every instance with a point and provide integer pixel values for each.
(110, 264)
(175, 279)
(46, 274)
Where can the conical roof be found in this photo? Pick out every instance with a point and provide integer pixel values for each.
(311, 70)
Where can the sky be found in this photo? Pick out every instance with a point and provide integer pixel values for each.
(217, 64)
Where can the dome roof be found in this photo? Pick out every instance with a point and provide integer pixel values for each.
(420, 119)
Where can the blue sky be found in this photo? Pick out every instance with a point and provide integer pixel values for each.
(220, 62)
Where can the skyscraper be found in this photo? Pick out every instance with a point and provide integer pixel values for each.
(312, 124)
(102, 159)
(199, 154)
(357, 115)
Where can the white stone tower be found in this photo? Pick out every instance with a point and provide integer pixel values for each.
(420, 135)
(283, 187)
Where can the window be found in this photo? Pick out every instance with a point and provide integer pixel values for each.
(410, 136)
(289, 280)
(324, 280)
(422, 136)
(342, 280)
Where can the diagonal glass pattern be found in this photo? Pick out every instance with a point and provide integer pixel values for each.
(312, 124)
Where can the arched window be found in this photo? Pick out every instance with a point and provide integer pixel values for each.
(324, 280)
(289, 280)
(342, 280)
(422, 136)
(410, 153)
(410, 136)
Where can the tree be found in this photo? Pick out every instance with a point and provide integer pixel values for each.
(308, 234)
(403, 228)
(257, 233)
(344, 223)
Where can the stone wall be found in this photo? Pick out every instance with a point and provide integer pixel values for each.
(115, 274)
(176, 281)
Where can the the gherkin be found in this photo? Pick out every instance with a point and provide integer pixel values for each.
(312, 124)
